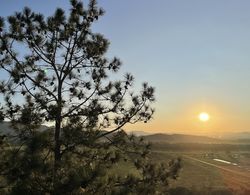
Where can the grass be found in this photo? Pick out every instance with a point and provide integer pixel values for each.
(200, 178)
(192, 174)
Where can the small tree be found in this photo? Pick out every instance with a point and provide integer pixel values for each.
(58, 73)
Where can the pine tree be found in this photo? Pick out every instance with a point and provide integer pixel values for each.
(58, 73)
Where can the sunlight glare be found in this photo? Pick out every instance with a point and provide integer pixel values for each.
(204, 116)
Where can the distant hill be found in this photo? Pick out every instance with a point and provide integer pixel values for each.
(139, 133)
(181, 138)
(239, 135)
(5, 128)
(234, 138)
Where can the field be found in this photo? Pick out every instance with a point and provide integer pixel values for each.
(209, 171)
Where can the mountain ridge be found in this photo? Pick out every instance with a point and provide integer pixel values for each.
(186, 138)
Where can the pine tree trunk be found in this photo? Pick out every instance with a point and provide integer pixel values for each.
(57, 155)
(57, 149)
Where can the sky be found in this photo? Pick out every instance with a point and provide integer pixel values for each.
(196, 54)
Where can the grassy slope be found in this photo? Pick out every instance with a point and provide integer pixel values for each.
(201, 178)
(193, 174)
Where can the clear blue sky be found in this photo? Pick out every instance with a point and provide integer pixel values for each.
(196, 53)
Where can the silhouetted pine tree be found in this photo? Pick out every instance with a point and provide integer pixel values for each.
(58, 73)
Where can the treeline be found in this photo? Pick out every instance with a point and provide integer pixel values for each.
(200, 146)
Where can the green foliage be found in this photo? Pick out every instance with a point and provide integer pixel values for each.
(63, 77)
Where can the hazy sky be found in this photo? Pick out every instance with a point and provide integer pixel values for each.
(196, 53)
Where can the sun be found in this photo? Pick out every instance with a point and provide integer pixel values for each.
(203, 116)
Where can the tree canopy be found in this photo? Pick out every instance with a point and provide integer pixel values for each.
(58, 73)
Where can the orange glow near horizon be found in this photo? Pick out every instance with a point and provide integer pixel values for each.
(183, 119)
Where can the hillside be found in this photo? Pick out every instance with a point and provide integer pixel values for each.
(5, 128)
(239, 135)
(181, 138)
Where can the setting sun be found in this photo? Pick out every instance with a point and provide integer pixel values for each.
(204, 116)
